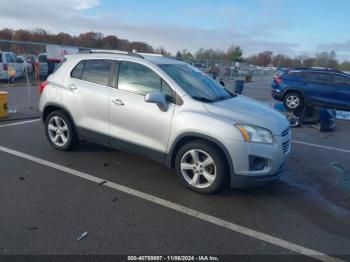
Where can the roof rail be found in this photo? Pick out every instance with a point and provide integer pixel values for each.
(106, 51)
(91, 51)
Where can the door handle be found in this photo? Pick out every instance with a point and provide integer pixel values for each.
(118, 102)
(72, 87)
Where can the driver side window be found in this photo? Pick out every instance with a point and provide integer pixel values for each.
(139, 79)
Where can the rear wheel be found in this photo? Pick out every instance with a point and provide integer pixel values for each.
(201, 167)
(293, 101)
(60, 131)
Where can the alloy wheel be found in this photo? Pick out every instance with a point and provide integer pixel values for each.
(58, 131)
(292, 101)
(198, 168)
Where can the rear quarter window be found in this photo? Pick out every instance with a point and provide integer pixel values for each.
(77, 71)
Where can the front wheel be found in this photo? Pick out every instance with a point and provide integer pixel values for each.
(60, 131)
(293, 101)
(201, 167)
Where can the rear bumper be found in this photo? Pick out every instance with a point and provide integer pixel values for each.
(277, 94)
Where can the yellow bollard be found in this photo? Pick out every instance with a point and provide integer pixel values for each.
(3, 104)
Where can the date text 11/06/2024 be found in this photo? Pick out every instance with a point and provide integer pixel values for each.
(173, 258)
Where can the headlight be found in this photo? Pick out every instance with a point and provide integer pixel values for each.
(255, 134)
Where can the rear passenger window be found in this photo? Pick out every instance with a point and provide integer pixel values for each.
(138, 79)
(77, 72)
(319, 78)
(97, 71)
(297, 74)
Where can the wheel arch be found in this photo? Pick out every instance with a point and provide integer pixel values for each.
(51, 107)
(189, 137)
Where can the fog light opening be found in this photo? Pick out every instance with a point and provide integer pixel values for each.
(257, 163)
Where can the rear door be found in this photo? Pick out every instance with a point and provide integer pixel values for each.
(89, 88)
(341, 91)
(135, 125)
(318, 88)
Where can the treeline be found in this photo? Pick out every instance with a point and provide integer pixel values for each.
(268, 58)
(89, 39)
(322, 59)
(98, 40)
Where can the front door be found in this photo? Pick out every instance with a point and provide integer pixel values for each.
(342, 92)
(319, 88)
(135, 125)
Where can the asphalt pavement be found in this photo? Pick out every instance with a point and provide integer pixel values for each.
(130, 205)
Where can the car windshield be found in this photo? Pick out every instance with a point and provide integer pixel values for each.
(196, 83)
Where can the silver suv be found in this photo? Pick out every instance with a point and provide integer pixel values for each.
(168, 111)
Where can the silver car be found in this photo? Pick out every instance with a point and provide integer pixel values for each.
(168, 111)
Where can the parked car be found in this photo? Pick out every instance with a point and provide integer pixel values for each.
(42, 64)
(26, 67)
(168, 111)
(312, 86)
(200, 66)
(10, 66)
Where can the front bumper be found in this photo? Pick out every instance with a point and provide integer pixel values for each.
(276, 156)
(241, 181)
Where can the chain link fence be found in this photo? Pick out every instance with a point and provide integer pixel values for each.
(236, 70)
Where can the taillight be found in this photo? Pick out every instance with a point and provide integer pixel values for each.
(42, 86)
(277, 79)
(5, 67)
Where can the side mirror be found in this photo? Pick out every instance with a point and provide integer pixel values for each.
(157, 98)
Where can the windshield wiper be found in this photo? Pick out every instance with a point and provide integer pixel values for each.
(222, 98)
(203, 99)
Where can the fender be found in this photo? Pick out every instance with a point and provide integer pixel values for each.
(170, 156)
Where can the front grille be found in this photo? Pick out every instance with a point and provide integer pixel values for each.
(285, 132)
(285, 146)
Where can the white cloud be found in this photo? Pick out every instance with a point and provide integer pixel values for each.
(87, 4)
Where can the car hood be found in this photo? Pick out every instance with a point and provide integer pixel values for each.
(244, 110)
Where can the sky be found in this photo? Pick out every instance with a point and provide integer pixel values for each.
(291, 27)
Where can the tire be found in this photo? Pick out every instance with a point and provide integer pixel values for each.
(204, 178)
(60, 131)
(293, 101)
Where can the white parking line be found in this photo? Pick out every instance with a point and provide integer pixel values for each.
(20, 123)
(179, 208)
(321, 146)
